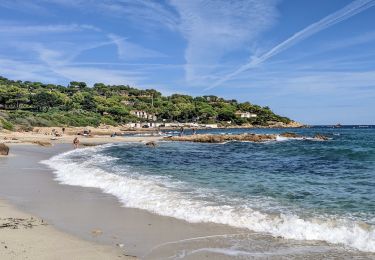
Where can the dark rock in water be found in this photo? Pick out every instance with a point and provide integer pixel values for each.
(151, 144)
(208, 138)
(321, 137)
(290, 135)
(4, 150)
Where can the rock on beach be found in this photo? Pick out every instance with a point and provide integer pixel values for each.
(4, 149)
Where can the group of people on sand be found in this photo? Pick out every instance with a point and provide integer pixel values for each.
(85, 133)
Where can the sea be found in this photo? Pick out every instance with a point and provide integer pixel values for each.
(293, 189)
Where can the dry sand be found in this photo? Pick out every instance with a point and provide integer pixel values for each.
(23, 236)
(42, 138)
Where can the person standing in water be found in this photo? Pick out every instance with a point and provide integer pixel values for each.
(76, 143)
(181, 131)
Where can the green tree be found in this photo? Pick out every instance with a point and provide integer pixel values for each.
(226, 112)
(88, 102)
(44, 100)
(77, 104)
(13, 97)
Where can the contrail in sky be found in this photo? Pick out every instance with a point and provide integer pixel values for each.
(348, 11)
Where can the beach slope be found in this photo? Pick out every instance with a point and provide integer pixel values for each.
(23, 236)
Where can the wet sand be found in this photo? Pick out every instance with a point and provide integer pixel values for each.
(91, 215)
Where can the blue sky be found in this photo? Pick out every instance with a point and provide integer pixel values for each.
(310, 60)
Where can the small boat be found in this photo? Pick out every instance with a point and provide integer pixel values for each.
(338, 126)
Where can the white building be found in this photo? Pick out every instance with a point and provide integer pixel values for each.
(127, 103)
(245, 114)
(141, 125)
(211, 125)
(143, 114)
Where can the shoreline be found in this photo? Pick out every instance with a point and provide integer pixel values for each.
(84, 211)
(44, 136)
(79, 211)
(31, 138)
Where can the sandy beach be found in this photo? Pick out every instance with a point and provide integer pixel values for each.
(24, 236)
(44, 136)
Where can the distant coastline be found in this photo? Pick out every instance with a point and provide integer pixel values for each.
(25, 105)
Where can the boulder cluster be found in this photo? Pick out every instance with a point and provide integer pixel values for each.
(4, 149)
(321, 137)
(257, 138)
(223, 138)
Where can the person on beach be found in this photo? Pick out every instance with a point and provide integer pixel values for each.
(63, 130)
(76, 143)
(159, 131)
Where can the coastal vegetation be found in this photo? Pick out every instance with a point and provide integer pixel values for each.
(29, 104)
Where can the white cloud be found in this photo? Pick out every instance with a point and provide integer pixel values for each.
(214, 29)
(53, 60)
(22, 29)
(60, 63)
(23, 6)
(36, 71)
(288, 81)
(145, 12)
(349, 41)
(348, 11)
(94, 75)
(131, 51)
(26, 70)
(141, 11)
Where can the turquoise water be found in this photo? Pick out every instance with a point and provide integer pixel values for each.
(299, 189)
(334, 177)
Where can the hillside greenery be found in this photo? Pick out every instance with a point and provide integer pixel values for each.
(29, 104)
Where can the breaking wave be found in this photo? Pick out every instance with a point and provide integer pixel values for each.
(158, 195)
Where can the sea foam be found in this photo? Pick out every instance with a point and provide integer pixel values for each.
(155, 195)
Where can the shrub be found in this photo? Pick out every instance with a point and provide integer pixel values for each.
(6, 124)
(26, 128)
(108, 120)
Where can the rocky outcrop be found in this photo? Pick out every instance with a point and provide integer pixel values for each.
(294, 124)
(321, 137)
(223, 138)
(256, 138)
(4, 149)
(151, 144)
(291, 135)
